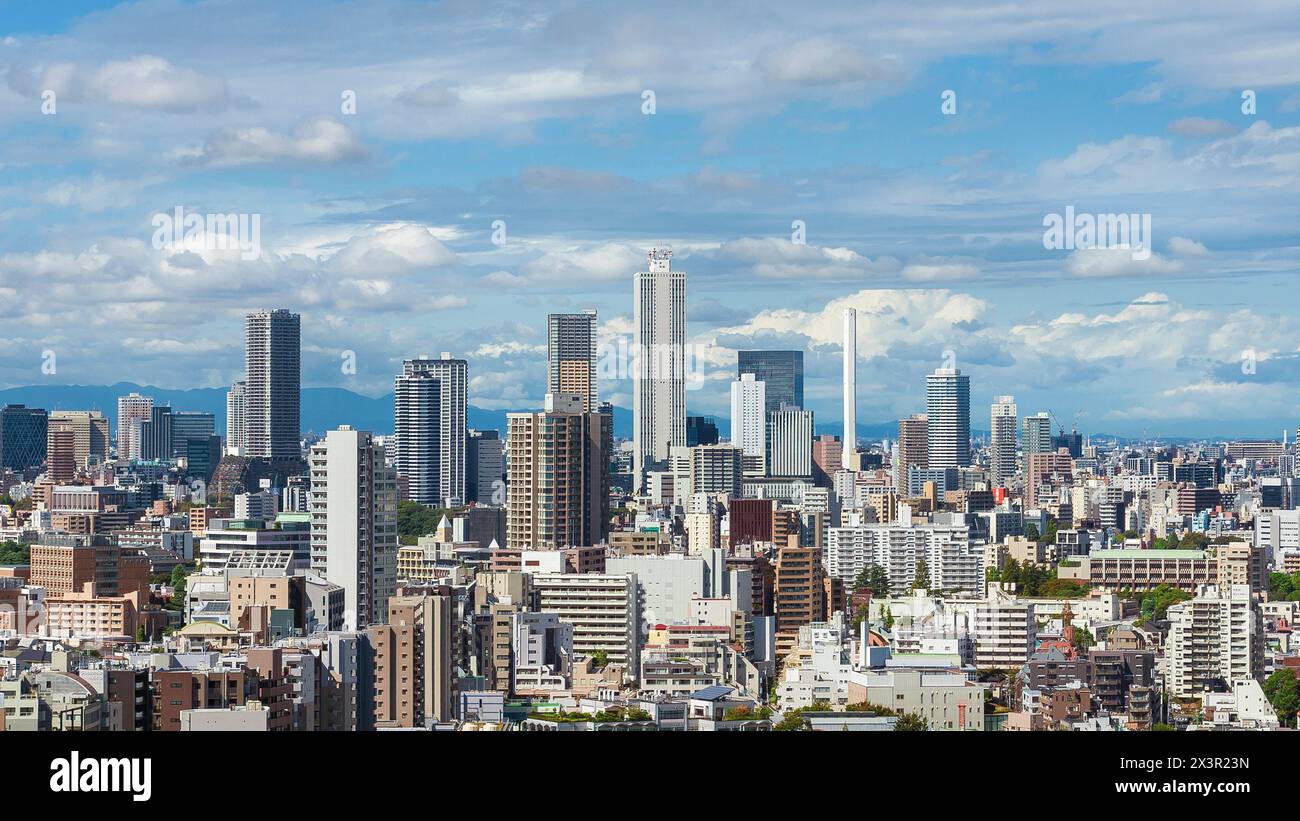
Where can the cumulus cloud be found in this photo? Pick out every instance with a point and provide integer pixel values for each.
(317, 141)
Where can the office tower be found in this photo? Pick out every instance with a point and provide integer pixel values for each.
(273, 384)
(1072, 441)
(155, 435)
(1038, 434)
(749, 415)
(571, 356)
(413, 662)
(23, 432)
(484, 467)
(827, 459)
(90, 434)
(1002, 444)
(430, 415)
(354, 522)
(131, 406)
(659, 383)
(558, 484)
(701, 430)
(61, 453)
(789, 442)
(850, 438)
(913, 449)
(947, 402)
(188, 425)
(780, 371)
(237, 419)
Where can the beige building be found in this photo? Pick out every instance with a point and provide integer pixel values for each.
(413, 661)
(89, 435)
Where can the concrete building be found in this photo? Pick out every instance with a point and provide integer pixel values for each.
(1002, 444)
(131, 406)
(273, 385)
(571, 357)
(749, 415)
(659, 386)
(603, 609)
(789, 443)
(1214, 639)
(430, 407)
(947, 403)
(90, 435)
(849, 455)
(354, 522)
(413, 662)
(913, 449)
(558, 481)
(781, 372)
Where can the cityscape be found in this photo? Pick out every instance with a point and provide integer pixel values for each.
(579, 368)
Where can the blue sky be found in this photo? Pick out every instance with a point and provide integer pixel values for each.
(376, 225)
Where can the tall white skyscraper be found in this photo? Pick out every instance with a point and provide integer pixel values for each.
(131, 406)
(354, 523)
(273, 354)
(571, 357)
(749, 414)
(236, 419)
(947, 401)
(850, 438)
(430, 412)
(1002, 445)
(659, 343)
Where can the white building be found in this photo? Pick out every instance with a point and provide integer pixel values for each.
(354, 523)
(603, 609)
(1005, 631)
(952, 562)
(659, 344)
(749, 415)
(789, 442)
(1216, 637)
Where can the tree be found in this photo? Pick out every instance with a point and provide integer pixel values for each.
(12, 552)
(911, 722)
(886, 617)
(1283, 692)
(1083, 639)
(139, 634)
(922, 578)
(1031, 531)
(601, 658)
(874, 578)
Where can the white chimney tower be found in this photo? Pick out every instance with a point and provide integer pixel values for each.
(850, 440)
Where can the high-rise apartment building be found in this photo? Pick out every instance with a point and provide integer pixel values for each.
(827, 456)
(236, 419)
(61, 454)
(273, 389)
(604, 610)
(558, 493)
(571, 357)
(354, 522)
(1038, 434)
(413, 662)
(913, 449)
(947, 403)
(780, 371)
(430, 415)
(659, 343)
(749, 415)
(1002, 444)
(1214, 638)
(131, 406)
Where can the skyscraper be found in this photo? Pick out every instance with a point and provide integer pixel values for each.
(780, 371)
(913, 448)
(430, 415)
(236, 419)
(273, 355)
(749, 415)
(90, 434)
(354, 523)
(571, 356)
(188, 425)
(559, 482)
(61, 453)
(484, 467)
(23, 433)
(789, 442)
(947, 400)
(659, 383)
(850, 437)
(1002, 445)
(1038, 433)
(131, 406)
